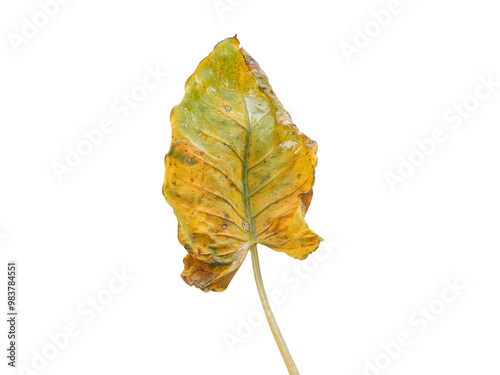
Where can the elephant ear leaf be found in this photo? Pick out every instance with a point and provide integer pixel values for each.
(238, 172)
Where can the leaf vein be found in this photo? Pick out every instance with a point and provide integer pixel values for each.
(224, 114)
(215, 194)
(277, 200)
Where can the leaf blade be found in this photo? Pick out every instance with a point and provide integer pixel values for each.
(238, 171)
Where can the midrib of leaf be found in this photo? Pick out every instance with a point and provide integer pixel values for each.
(246, 194)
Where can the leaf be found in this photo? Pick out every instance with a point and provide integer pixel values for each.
(238, 171)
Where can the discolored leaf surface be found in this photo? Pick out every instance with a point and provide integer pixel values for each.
(238, 171)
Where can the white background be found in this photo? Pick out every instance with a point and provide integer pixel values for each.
(396, 248)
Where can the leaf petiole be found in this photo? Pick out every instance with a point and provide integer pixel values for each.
(285, 353)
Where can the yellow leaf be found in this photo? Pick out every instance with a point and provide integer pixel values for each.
(238, 172)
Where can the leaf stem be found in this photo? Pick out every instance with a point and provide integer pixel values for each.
(285, 353)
